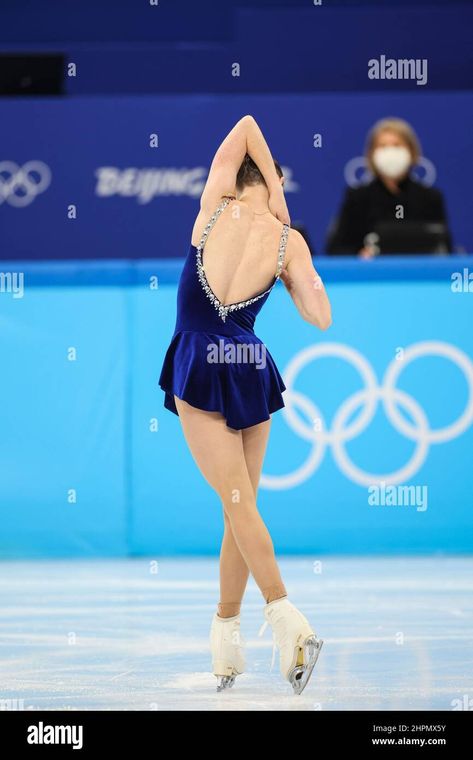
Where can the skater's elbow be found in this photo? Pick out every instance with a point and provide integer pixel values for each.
(318, 318)
(325, 322)
(322, 322)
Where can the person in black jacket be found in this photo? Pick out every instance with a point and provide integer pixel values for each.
(392, 149)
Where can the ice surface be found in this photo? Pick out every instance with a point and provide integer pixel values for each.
(115, 634)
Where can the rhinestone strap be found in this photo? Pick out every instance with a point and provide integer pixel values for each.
(282, 248)
(224, 310)
(212, 221)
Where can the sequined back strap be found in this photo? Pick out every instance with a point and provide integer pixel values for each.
(282, 248)
(221, 206)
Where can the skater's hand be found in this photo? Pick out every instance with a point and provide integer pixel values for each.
(277, 205)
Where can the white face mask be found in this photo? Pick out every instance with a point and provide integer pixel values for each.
(392, 161)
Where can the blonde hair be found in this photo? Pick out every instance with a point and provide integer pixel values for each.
(402, 129)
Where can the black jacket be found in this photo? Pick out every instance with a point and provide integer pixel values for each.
(364, 206)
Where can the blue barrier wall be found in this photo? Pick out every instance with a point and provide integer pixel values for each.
(93, 464)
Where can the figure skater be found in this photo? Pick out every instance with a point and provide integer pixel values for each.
(224, 384)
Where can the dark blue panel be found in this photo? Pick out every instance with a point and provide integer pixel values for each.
(83, 138)
(294, 47)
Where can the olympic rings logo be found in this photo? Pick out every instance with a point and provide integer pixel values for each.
(392, 398)
(19, 185)
(357, 173)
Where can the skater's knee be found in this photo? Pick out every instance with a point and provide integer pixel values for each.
(237, 503)
(235, 492)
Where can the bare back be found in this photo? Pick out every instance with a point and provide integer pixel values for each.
(241, 252)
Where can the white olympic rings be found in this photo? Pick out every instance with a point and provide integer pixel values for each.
(416, 429)
(357, 172)
(19, 185)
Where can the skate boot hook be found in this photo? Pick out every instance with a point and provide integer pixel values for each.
(299, 647)
(226, 644)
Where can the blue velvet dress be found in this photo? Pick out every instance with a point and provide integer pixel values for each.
(215, 361)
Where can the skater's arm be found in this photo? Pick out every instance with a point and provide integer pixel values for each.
(258, 150)
(225, 164)
(245, 137)
(304, 284)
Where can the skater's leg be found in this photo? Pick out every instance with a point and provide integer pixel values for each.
(233, 568)
(218, 452)
(233, 573)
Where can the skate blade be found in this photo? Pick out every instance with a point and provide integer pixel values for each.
(308, 656)
(225, 682)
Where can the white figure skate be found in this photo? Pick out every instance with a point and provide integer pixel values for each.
(299, 647)
(226, 644)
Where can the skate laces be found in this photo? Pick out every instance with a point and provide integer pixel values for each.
(260, 633)
(263, 628)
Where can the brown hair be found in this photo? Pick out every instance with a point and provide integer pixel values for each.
(249, 174)
(403, 130)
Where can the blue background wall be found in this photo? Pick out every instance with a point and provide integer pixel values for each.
(89, 424)
(121, 46)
